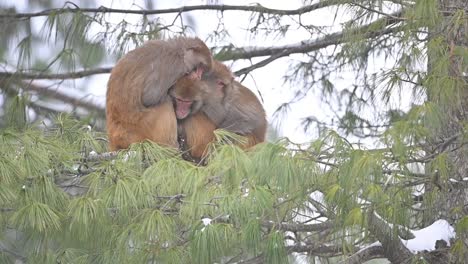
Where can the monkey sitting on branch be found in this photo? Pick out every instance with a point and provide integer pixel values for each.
(138, 106)
(216, 101)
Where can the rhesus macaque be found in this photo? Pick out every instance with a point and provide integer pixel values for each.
(138, 105)
(217, 101)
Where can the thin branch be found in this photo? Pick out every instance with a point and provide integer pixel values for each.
(260, 64)
(336, 38)
(54, 76)
(298, 227)
(377, 11)
(222, 8)
(318, 248)
(77, 101)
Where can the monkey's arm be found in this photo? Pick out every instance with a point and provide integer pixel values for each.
(161, 72)
(170, 60)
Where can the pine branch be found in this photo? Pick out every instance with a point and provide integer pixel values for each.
(393, 248)
(178, 10)
(365, 255)
(54, 76)
(376, 11)
(12, 253)
(101, 156)
(313, 249)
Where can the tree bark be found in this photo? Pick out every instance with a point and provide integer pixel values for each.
(451, 202)
(452, 198)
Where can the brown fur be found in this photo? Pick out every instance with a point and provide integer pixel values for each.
(198, 134)
(230, 106)
(137, 103)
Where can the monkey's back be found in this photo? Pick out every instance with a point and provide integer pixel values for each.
(246, 114)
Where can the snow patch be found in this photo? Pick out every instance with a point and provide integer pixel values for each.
(317, 196)
(425, 239)
(206, 221)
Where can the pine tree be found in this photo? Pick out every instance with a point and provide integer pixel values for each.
(64, 199)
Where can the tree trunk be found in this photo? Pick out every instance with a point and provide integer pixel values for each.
(451, 201)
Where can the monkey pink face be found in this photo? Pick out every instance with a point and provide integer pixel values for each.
(183, 108)
(186, 95)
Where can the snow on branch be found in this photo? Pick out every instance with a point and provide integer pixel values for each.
(393, 247)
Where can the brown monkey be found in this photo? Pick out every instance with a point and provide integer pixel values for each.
(221, 102)
(138, 106)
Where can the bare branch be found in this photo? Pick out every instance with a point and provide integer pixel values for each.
(260, 64)
(222, 8)
(336, 38)
(77, 101)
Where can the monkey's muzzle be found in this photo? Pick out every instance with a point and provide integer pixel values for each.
(182, 107)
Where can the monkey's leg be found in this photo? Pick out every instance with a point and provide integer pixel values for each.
(199, 133)
(121, 136)
(160, 125)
